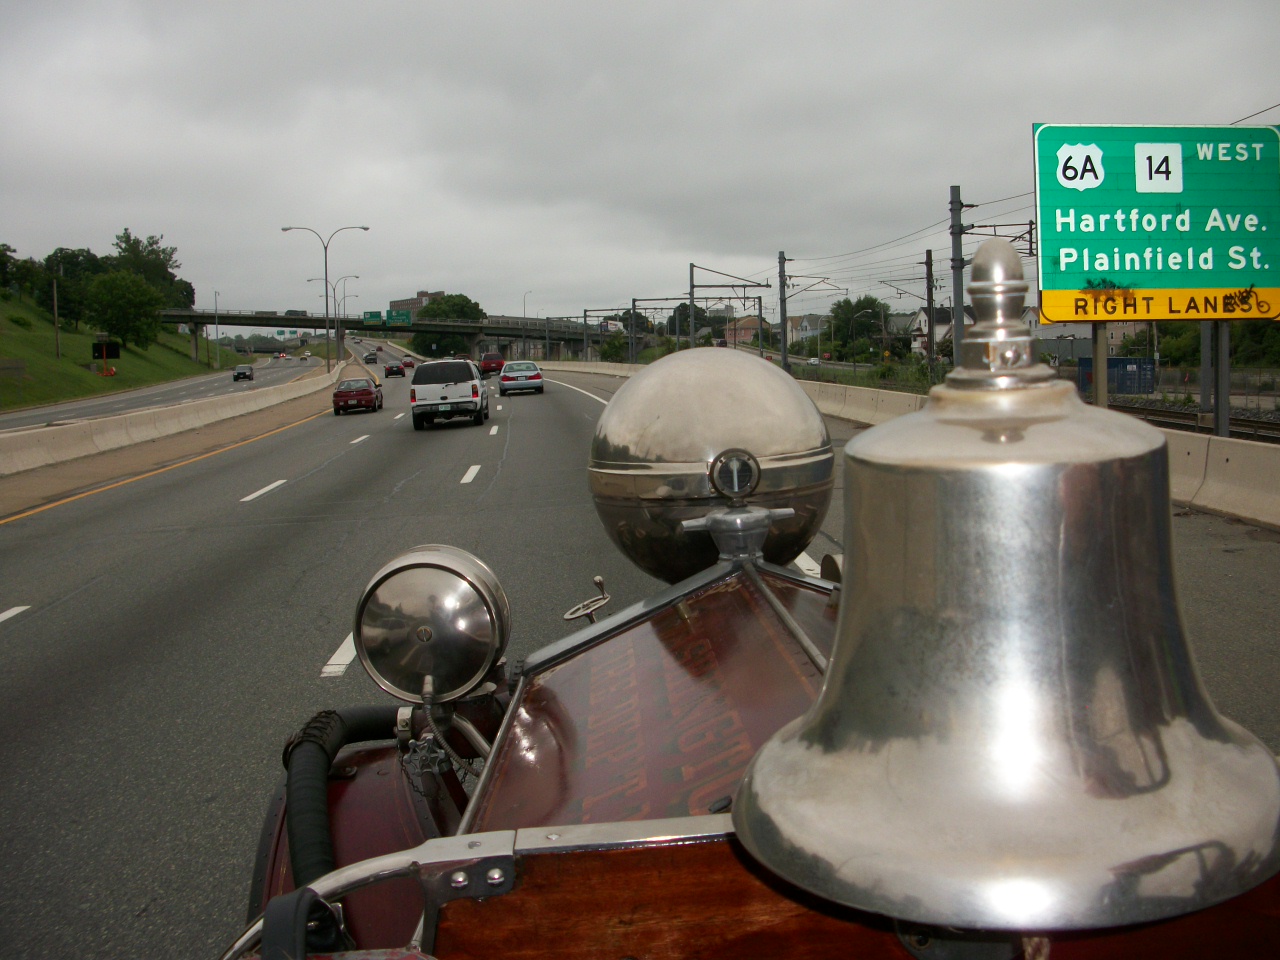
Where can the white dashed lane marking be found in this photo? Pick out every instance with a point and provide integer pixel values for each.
(339, 662)
(267, 489)
(358, 439)
(12, 612)
(493, 430)
(397, 416)
(470, 474)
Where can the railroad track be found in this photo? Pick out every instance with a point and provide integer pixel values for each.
(1241, 428)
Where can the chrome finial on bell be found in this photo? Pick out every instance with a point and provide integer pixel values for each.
(1011, 733)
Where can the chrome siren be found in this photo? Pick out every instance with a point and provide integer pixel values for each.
(1011, 734)
(702, 429)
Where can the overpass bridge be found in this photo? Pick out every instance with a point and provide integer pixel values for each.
(556, 338)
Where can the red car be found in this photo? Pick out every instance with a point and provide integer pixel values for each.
(491, 363)
(358, 393)
(407, 362)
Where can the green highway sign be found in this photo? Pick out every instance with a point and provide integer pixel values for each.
(398, 318)
(1157, 222)
(373, 316)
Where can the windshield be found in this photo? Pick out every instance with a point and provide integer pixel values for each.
(443, 371)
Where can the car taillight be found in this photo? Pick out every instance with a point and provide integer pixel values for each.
(413, 395)
(536, 376)
(475, 390)
(506, 379)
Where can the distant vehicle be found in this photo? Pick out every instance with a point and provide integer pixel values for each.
(491, 363)
(370, 357)
(393, 368)
(407, 362)
(378, 348)
(283, 356)
(462, 356)
(295, 313)
(358, 393)
(520, 375)
(813, 361)
(306, 353)
(243, 371)
(446, 389)
(722, 343)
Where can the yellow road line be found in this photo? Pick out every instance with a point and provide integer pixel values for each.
(144, 476)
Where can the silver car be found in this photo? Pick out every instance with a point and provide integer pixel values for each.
(519, 375)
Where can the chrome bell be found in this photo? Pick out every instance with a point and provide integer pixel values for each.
(1011, 733)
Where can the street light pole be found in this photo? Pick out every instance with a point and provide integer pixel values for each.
(217, 339)
(328, 359)
(524, 304)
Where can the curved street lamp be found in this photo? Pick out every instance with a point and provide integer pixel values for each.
(328, 360)
(524, 303)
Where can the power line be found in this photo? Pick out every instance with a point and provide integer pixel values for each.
(1252, 115)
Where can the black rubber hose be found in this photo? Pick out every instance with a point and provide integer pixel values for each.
(308, 756)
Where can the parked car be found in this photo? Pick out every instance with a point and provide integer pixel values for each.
(370, 358)
(243, 371)
(393, 368)
(357, 393)
(520, 375)
(407, 362)
(813, 361)
(445, 389)
(491, 363)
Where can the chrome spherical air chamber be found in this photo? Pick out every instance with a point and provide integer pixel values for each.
(1011, 734)
(698, 431)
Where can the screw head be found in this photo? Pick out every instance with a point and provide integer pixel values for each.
(458, 879)
(495, 876)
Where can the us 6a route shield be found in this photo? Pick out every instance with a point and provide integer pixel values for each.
(1157, 223)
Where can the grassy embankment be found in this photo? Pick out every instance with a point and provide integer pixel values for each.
(26, 334)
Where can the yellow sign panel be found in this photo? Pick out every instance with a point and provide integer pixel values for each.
(1126, 306)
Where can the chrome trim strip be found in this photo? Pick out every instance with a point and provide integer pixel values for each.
(468, 815)
(623, 834)
(788, 621)
(552, 654)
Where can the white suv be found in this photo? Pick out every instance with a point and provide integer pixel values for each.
(444, 389)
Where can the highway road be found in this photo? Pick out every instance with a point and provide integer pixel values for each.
(162, 637)
(268, 372)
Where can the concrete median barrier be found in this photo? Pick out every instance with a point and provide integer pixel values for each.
(39, 447)
(1188, 456)
(1241, 479)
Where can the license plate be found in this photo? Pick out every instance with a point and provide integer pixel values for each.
(352, 403)
(520, 378)
(444, 406)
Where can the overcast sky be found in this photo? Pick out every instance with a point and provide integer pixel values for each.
(584, 153)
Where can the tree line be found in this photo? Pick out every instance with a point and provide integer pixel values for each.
(119, 293)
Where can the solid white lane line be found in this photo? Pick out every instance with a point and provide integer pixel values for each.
(470, 474)
(397, 416)
(12, 612)
(493, 430)
(579, 389)
(339, 662)
(358, 439)
(267, 489)
(807, 566)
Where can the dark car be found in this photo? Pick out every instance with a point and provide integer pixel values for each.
(520, 375)
(357, 393)
(243, 371)
(371, 358)
(393, 368)
(491, 363)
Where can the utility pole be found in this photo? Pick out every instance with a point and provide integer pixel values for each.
(691, 327)
(782, 305)
(958, 230)
(928, 300)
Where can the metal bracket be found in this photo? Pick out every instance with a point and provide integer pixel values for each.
(469, 879)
